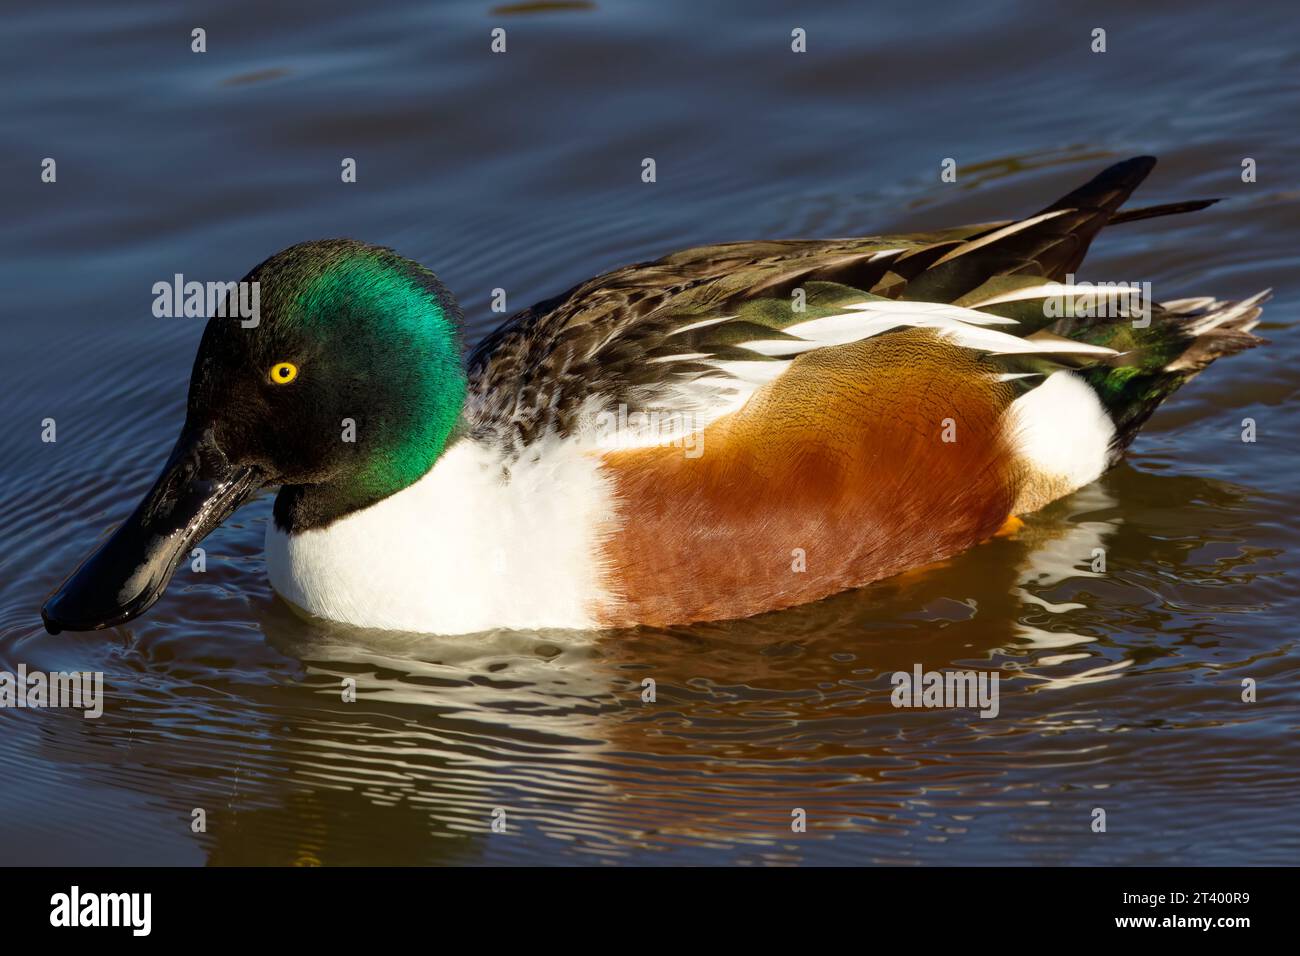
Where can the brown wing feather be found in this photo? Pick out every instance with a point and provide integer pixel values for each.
(842, 456)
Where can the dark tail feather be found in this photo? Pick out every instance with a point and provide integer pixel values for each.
(1051, 248)
(1167, 209)
(1092, 206)
(1109, 188)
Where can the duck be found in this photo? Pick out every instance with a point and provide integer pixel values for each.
(727, 431)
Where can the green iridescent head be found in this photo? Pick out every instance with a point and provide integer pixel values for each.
(348, 388)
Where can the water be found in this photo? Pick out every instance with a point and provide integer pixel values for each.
(1120, 691)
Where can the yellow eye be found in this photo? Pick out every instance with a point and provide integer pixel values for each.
(282, 373)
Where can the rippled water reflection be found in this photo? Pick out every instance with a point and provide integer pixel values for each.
(1120, 689)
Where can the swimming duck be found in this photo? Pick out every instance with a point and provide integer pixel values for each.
(729, 430)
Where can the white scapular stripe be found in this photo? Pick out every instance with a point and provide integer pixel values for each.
(962, 314)
(964, 326)
(1040, 291)
(1060, 290)
(680, 357)
(703, 323)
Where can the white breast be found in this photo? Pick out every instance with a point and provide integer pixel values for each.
(462, 550)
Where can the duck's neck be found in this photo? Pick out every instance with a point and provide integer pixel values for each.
(306, 507)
